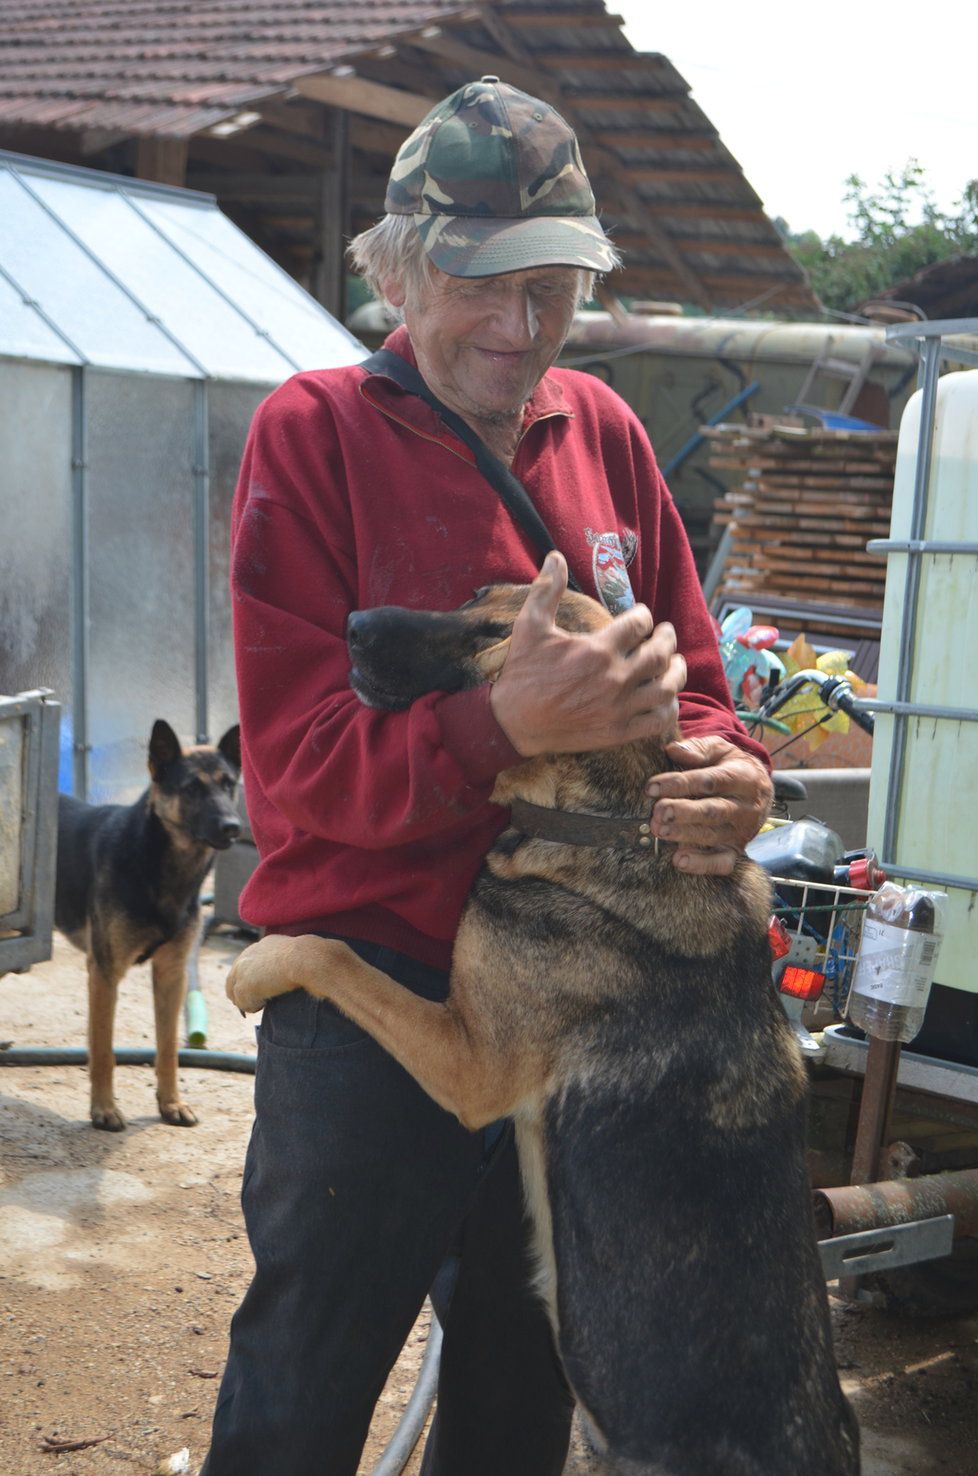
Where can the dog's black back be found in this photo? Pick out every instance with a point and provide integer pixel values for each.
(657, 1139)
(128, 876)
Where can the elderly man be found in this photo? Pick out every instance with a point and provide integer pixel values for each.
(355, 492)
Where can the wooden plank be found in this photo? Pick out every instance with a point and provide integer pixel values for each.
(812, 505)
(824, 479)
(626, 102)
(817, 466)
(706, 209)
(484, 63)
(660, 140)
(616, 60)
(332, 227)
(372, 137)
(728, 247)
(802, 560)
(807, 545)
(654, 174)
(162, 159)
(281, 145)
(788, 584)
(864, 531)
(653, 138)
(545, 20)
(772, 435)
(762, 557)
(260, 189)
(372, 99)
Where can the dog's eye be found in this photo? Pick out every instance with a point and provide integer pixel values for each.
(479, 594)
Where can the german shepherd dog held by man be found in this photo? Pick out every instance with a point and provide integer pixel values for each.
(623, 1015)
(127, 890)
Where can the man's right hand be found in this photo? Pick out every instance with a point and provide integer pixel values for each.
(560, 692)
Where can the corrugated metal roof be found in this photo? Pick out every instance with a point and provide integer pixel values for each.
(121, 274)
(689, 223)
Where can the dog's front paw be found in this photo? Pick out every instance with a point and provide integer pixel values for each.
(178, 1114)
(106, 1115)
(265, 969)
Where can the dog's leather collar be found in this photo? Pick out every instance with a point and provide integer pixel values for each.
(574, 828)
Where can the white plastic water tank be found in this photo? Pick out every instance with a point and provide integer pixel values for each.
(938, 817)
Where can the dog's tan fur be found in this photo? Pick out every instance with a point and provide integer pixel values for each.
(127, 890)
(558, 940)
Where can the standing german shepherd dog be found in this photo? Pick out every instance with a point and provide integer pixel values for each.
(127, 889)
(624, 1016)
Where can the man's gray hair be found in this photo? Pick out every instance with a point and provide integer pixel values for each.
(392, 250)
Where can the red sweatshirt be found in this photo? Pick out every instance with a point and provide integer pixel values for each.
(353, 494)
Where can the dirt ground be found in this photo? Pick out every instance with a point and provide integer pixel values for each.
(122, 1257)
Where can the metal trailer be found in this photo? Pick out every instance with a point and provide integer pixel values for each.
(29, 725)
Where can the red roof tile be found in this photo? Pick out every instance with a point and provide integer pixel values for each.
(219, 56)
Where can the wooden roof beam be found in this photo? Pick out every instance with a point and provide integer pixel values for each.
(708, 210)
(289, 146)
(545, 19)
(635, 240)
(372, 137)
(702, 174)
(656, 138)
(299, 117)
(738, 280)
(483, 63)
(624, 102)
(624, 60)
(372, 99)
(260, 189)
(727, 246)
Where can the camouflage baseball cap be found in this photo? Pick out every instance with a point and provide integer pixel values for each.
(495, 183)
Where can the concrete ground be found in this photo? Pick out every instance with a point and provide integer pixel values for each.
(122, 1257)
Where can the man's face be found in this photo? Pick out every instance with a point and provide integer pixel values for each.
(484, 343)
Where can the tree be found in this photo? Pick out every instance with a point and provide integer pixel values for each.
(899, 229)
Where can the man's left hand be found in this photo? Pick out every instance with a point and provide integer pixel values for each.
(711, 806)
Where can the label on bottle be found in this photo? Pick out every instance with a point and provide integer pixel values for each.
(894, 965)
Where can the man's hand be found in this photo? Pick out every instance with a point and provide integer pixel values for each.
(571, 693)
(712, 807)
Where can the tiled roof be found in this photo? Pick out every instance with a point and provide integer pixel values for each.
(688, 222)
(172, 67)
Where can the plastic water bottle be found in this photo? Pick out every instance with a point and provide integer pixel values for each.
(896, 961)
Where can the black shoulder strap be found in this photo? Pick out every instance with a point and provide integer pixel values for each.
(511, 490)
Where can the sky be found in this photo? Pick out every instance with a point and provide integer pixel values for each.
(803, 96)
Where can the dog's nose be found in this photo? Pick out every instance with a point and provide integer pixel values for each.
(230, 829)
(356, 629)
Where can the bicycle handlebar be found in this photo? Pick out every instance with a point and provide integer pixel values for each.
(834, 691)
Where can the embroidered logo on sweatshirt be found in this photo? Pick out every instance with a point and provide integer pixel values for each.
(611, 555)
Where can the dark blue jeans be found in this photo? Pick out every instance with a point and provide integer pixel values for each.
(356, 1187)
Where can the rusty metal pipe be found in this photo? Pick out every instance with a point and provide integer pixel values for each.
(854, 1207)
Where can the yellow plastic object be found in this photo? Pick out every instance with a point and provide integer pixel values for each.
(807, 707)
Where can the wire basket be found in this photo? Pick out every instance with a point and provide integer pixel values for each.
(825, 923)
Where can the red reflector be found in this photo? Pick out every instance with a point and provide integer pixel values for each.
(802, 983)
(779, 938)
(866, 874)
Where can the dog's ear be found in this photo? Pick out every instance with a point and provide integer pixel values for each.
(164, 748)
(230, 748)
(490, 662)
